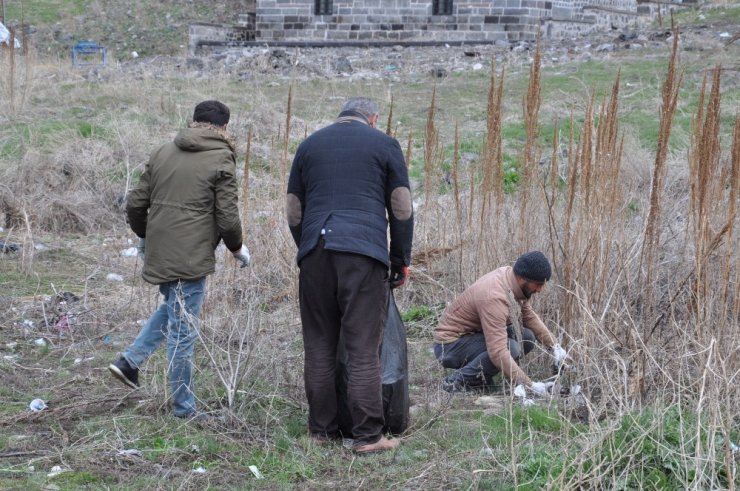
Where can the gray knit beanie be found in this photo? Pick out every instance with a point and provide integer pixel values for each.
(533, 266)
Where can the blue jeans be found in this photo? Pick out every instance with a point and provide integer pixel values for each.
(470, 356)
(176, 319)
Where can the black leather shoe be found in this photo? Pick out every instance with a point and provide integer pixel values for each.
(125, 372)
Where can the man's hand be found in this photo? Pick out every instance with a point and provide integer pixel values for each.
(242, 255)
(399, 273)
(141, 247)
(539, 388)
(542, 388)
(559, 358)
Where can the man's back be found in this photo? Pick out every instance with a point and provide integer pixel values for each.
(185, 203)
(343, 174)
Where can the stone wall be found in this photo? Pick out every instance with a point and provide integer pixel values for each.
(399, 20)
(244, 31)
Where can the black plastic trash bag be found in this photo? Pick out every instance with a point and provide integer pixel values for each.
(394, 371)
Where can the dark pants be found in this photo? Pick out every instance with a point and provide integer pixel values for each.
(469, 355)
(348, 293)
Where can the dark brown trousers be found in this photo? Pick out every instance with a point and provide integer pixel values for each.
(348, 293)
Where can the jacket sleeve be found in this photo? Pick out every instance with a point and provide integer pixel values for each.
(400, 206)
(493, 316)
(137, 204)
(295, 203)
(531, 320)
(227, 205)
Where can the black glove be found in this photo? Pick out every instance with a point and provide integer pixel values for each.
(399, 273)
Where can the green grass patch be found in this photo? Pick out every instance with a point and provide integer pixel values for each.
(80, 479)
(44, 11)
(728, 14)
(53, 271)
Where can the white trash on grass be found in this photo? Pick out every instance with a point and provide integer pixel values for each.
(130, 252)
(56, 470)
(114, 277)
(37, 405)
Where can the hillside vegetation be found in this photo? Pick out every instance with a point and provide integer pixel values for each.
(149, 28)
(624, 170)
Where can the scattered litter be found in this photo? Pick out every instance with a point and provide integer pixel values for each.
(114, 277)
(130, 252)
(107, 338)
(37, 405)
(67, 297)
(10, 357)
(141, 322)
(64, 325)
(7, 247)
(56, 470)
(202, 470)
(477, 66)
(11, 345)
(134, 54)
(724, 34)
(5, 37)
(80, 360)
(41, 247)
(256, 472)
(131, 452)
(40, 342)
(391, 68)
(28, 323)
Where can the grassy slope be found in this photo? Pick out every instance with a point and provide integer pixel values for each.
(453, 443)
(149, 28)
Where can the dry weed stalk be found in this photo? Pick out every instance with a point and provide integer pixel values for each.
(705, 187)
(731, 298)
(458, 205)
(432, 157)
(491, 167)
(653, 224)
(530, 157)
(389, 124)
(286, 140)
(245, 182)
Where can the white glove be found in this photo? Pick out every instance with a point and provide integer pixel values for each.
(520, 392)
(541, 388)
(242, 255)
(559, 354)
(141, 247)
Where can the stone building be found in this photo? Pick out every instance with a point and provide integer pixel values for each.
(320, 22)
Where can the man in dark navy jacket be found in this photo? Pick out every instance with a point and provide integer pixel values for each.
(347, 185)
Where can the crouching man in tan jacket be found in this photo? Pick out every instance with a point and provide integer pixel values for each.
(477, 334)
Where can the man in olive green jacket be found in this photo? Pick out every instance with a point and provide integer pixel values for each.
(184, 205)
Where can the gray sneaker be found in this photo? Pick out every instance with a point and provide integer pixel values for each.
(125, 372)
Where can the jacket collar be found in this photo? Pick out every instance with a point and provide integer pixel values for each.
(347, 116)
(515, 288)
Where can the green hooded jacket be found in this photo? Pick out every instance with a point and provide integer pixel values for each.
(185, 203)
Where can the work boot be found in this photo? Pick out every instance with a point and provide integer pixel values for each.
(381, 445)
(125, 372)
(454, 384)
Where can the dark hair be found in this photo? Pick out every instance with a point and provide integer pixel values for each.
(213, 112)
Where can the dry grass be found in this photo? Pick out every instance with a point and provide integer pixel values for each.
(644, 294)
